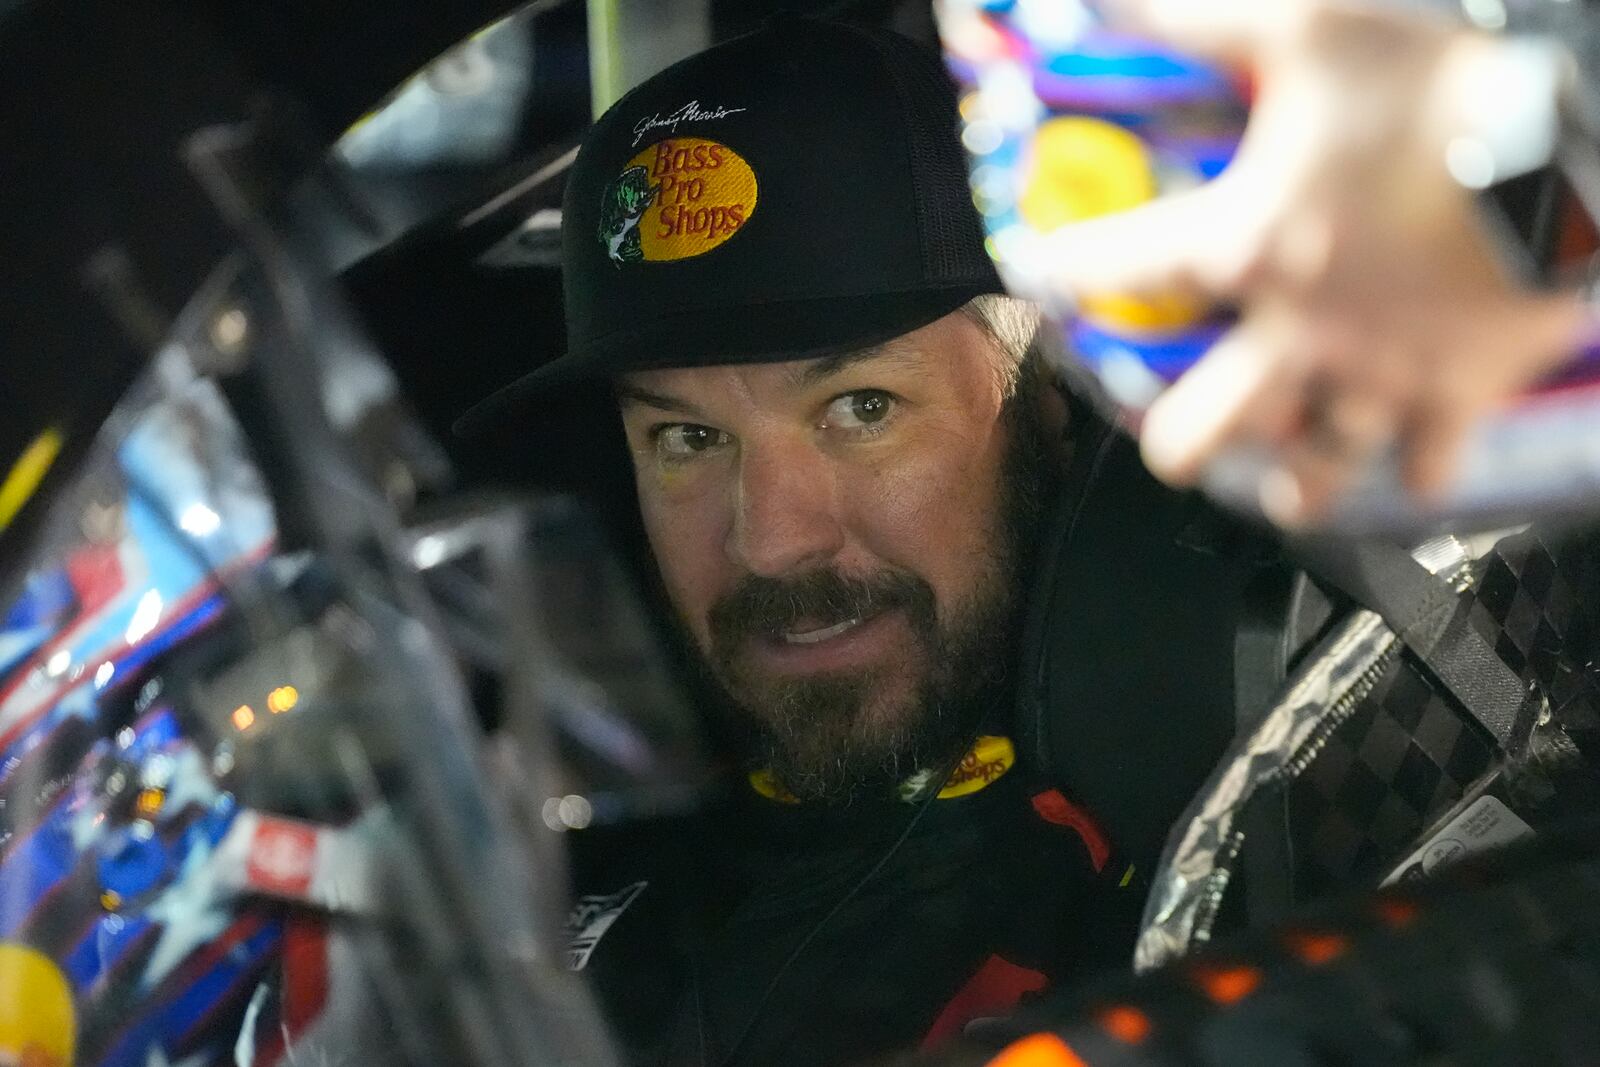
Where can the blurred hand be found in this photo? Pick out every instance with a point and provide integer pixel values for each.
(1374, 310)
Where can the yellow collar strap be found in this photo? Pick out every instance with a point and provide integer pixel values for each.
(987, 760)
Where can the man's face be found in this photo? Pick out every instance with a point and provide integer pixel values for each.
(837, 538)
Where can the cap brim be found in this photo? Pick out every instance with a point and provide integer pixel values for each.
(778, 332)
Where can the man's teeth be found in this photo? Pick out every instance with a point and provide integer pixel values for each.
(811, 637)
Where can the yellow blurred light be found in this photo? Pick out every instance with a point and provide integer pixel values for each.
(37, 1018)
(243, 716)
(149, 801)
(1153, 313)
(27, 472)
(111, 900)
(1084, 168)
(282, 699)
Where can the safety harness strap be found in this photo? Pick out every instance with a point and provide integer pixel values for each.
(1431, 618)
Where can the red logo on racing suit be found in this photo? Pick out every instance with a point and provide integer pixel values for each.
(282, 857)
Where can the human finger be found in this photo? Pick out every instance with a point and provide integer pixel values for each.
(1242, 388)
(1514, 345)
(1346, 423)
(1231, 30)
(1341, 432)
(1181, 245)
(1431, 445)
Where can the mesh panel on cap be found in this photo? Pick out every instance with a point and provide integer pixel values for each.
(952, 233)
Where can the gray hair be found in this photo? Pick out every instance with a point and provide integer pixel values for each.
(1013, 325)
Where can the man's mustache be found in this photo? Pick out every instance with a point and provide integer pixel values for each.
(767, 607)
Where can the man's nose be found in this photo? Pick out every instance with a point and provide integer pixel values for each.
(786, 512)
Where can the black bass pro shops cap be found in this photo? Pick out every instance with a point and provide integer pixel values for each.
(794, 193)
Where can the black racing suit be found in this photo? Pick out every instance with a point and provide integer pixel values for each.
(768, 933)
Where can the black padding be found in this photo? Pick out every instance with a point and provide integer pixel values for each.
(1130, 695)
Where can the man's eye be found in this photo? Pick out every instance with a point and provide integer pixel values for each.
(681, 439)
(853, 411)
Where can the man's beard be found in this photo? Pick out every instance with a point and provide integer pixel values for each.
(835, 736)
(829, 736)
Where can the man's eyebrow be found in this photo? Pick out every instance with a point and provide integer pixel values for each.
(820, 370)
(808, 374)
(634, 394)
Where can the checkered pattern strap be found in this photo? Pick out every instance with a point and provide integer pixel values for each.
(1410, 754)
(1398, 765)
(1425, 612)
(1540, 617)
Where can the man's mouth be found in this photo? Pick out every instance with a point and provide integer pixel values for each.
(819, 624)
(807, 646)
(810, 636)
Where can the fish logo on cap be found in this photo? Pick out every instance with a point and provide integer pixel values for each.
(678, 198)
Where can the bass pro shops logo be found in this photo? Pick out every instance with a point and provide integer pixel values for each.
(678, 198)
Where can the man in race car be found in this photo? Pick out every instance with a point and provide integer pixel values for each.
(844, 442)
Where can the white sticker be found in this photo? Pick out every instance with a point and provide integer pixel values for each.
(591, 917)
(330, 867)
(1486, 824)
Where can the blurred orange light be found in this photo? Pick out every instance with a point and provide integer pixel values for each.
(1315, 949)
(1038, 1050)
(149, 801)
(1125, 1023)
(1396, 911)
(243, 716)
(1227, 985)
(282, 699)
